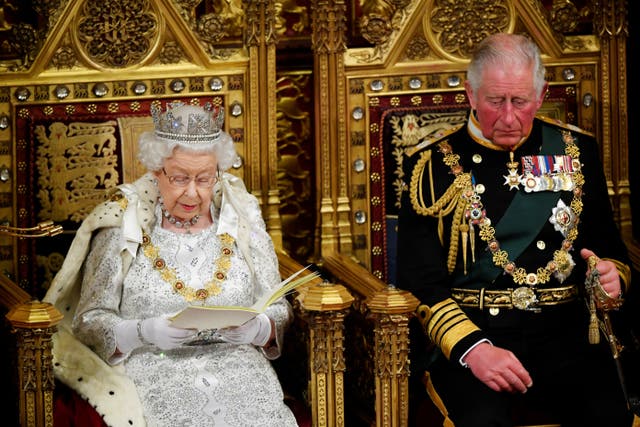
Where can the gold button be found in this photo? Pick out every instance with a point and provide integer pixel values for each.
(477, 158)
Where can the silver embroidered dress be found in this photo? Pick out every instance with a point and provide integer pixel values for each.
(211, 384)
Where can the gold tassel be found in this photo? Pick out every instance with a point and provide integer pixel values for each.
(472, 242)
(594, 332)
(590, 283)
(464, 229)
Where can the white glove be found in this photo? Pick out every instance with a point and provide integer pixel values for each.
(256, 331)
(134, 333)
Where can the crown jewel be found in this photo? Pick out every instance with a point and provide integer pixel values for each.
(188, 123)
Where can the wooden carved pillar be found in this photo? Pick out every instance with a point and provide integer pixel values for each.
(611, 25)
(329, 46)
(263, 144)
(325, 307)
(34, 323)
(390, 310)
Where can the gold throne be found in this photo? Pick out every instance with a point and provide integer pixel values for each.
(319, 114)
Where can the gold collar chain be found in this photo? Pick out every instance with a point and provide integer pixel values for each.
(168, 274)
(561, 264)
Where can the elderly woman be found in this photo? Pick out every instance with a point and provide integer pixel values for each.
(186, 233)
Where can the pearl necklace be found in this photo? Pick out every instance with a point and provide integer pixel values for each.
(561, 264)
(169, 275)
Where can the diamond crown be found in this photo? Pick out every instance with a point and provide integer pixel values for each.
(188, 123)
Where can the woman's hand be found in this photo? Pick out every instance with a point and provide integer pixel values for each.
(257, 331)
(133, 333)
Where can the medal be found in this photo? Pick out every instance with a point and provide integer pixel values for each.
(512, 179)
(562, 218)
(548, 173)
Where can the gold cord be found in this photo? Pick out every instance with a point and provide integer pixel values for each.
(459, 196)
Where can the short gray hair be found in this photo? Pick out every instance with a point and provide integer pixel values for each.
(506, 50)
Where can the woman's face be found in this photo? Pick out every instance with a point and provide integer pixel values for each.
(186, 183)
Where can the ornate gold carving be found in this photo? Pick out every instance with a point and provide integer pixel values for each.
(331, 144)
(295, 154)
(171, 53)
(211, 28)
(73, 161)
(220, 21)
(329, 20)
(563, 16)
(417, 49)
(117, 34)
(290, 8)
(65, 57)
(391, 309)
(326, 329)
(610, 18)
(33, 324)
(453, 30)
(375, 24)
(22, 43)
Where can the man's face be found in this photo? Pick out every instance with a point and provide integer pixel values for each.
(506, 103)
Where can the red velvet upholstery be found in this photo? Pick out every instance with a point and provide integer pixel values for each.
(70, 410)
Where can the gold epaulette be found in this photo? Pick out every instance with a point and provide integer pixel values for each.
(432, 139)
(564, 125)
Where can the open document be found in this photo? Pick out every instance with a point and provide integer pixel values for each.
(214, 317)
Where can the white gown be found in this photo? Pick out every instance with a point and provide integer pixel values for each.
(211, 384)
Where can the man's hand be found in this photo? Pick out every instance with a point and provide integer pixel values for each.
(498, 369)
(609, 277)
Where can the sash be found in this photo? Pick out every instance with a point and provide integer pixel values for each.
(525, 208)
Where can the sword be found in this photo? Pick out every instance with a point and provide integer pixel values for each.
(600, 314)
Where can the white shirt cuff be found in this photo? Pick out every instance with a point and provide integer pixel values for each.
(464, 365)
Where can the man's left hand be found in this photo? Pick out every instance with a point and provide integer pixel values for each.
(609, 277)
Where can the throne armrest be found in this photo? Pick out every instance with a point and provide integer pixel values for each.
(390, 310)
(321, 307)
(33, 324)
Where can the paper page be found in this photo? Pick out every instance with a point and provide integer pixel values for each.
(282, 289)
(214, 317)
(202, 317)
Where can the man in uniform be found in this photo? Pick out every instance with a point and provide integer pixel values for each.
(499, 221)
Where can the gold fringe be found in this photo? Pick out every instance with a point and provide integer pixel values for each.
(464, 232)
(594, 330)
(456, 222)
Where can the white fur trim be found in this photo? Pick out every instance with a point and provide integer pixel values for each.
(107, 388)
